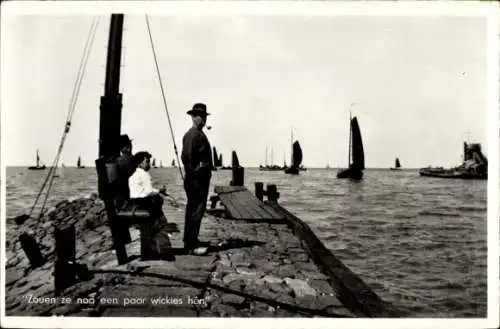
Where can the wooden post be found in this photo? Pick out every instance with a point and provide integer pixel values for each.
(32, 250)
(119, 232)
(238, 176)
(259, 190)
(65, 250)
(272, 193)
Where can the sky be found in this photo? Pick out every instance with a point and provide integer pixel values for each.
(418, 84)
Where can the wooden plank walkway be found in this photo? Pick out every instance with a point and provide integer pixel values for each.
(240, 203)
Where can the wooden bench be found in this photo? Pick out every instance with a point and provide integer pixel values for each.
(120, 220)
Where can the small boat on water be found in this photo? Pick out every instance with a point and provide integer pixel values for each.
(79, 163)
(38, 165)
(474, 166)
(294, 168)
(397, 165)
(272, 167)
(356, 159)
(217, 160)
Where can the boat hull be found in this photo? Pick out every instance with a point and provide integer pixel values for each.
(37, 168)
(450, 173)
(292, 171)
(395, 169)
(261, 168)
(350, 173)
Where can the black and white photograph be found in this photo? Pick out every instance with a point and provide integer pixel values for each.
(209, 164)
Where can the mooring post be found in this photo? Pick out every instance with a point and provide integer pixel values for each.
(65, 250)
(32, 250)
(238, 176)
(259, 190)
(272, 193)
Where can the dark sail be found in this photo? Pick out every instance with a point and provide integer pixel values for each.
(235, 162)
(398, 165)
(220, 160)
(358, 156)
(296, 155)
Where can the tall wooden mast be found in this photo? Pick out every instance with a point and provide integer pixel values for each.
(109, 134)
(111, 102)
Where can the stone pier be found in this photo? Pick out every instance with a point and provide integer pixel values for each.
(252, 270)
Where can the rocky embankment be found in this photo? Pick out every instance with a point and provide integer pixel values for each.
(252, 269)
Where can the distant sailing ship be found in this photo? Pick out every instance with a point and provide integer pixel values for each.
(79, 163)
(153, 163)
(356, 166)
(272, 167)
(173, 164)
(38, 166)
(217, 159)
(161, 164)
(296, 160)
(474, 165)
(397, 165)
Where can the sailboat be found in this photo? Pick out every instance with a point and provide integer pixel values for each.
(173, 163)
(356, 159)
(397, 165)
(161, 164)
(153, 163)
(271, 167)
(296, 160)
(79, 163)
(38, 166)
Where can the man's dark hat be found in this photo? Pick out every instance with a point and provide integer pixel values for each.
(198, 109)
(124, 140)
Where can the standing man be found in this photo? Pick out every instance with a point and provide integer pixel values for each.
(197, 160)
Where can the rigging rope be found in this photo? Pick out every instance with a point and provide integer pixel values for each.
(76, 93)
(163, 95)
(74, 97)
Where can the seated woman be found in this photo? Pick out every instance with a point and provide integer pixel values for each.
(143, 194)
(141, 188)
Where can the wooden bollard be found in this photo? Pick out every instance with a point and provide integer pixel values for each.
(259, 190)
(238, 176)
(32, 250)
(272, 193)
(65, 250)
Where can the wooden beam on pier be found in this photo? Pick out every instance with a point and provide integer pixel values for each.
(240, 203)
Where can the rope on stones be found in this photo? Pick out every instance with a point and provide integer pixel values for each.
(197, 284)
(67, 125)
(163, 95)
